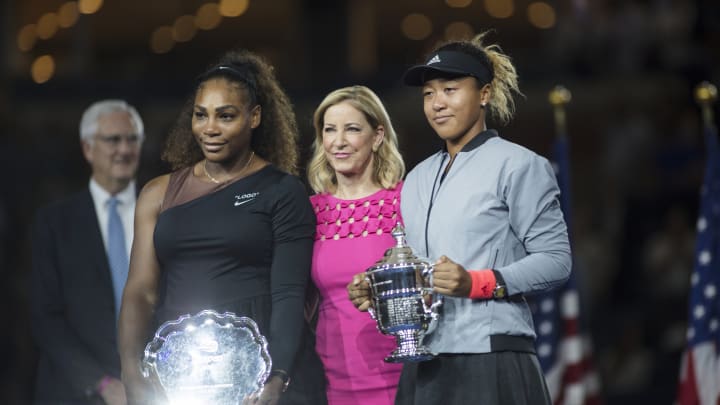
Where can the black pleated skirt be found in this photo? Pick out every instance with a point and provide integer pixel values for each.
(498, 378)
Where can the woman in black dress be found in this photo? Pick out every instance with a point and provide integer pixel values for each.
(229, 229)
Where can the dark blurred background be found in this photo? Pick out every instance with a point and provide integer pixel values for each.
(637, 151)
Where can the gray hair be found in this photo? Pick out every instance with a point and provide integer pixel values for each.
(91, 116)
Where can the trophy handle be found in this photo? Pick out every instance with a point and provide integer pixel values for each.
(436, 299)
(371, 310)
(427, 274)
(434, 307)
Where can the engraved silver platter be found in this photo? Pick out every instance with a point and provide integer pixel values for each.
(208, 358)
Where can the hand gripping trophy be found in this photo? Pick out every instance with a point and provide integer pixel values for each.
(400, 282)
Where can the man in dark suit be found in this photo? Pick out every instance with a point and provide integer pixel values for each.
(80, 251)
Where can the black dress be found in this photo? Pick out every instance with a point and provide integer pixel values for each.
(245, 247)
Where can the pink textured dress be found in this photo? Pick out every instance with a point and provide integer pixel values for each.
(351, 236)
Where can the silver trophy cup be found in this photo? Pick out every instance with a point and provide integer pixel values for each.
(208, 358)
(400, 282)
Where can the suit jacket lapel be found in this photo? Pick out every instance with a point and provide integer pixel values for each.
(96, 247)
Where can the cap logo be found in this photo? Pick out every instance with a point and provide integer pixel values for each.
(435, 59)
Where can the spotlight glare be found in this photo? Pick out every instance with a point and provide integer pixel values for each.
(162, 40)
(459, 30)
(458, 3)
(500, 8)
(68, 14)
(233, 8)
(89, 6)
(416, 26)
(184, 28)
(42, 69)
(26, 37)
(541, 15)
(47, 26)
(208, 16)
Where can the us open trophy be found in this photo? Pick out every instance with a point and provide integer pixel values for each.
(399, 282)
(208, 358)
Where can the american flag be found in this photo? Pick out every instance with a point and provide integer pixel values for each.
(564, 351)
(700, 366)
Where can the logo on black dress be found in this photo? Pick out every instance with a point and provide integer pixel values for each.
(241, 199)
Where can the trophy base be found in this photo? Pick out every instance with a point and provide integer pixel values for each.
(409, 348)
(409, 357)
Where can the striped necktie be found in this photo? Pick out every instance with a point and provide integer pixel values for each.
(117, 254)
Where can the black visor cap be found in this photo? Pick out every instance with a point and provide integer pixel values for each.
(448, 64)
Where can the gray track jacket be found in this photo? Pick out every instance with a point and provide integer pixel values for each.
(497, 207)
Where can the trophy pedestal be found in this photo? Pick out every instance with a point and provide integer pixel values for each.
(399, 283)
(408, 348)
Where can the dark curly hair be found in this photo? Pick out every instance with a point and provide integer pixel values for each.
(275, 139)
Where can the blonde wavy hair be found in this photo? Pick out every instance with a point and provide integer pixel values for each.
(388, 165)
(504, 84)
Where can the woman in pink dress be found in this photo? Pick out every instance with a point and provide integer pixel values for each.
(356, 170)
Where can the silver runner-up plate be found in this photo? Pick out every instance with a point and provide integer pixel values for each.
(208, 358)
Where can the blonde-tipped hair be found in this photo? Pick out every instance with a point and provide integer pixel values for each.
(504, 84)
(388, 165)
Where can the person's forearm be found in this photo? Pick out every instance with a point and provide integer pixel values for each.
(133, 331)
(291, 268)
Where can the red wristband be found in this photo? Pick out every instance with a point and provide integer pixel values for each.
(483, 283)
(104, 382)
